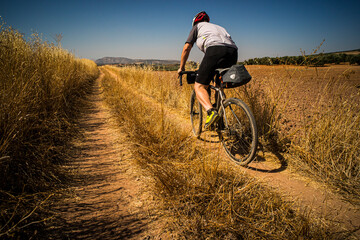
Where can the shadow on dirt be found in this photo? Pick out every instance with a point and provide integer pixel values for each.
(212, 137)
(87, 225)
(280, 157)
(276, 151)
(95, 205)
(103, 227)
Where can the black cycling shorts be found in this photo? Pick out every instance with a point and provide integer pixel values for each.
(215, 57)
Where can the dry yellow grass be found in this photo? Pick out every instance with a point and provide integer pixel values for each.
(40, 85)
(317, 110)
(205, 196)
(311, 113)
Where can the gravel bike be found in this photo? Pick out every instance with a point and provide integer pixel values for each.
(236, 128)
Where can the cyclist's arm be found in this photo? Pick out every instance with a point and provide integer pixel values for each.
(184, 56)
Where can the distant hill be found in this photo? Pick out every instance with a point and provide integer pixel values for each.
(122, 60)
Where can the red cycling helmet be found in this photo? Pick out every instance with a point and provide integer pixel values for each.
(201, 17)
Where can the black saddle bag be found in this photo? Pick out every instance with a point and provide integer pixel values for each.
(236, 76)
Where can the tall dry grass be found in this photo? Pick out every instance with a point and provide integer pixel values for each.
(271, 95)
(267, 113)
(40, 86)
(205, 196)
(328, 147)
(322, 106)
(162, 86)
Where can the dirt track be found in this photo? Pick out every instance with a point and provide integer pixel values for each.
(112, 200)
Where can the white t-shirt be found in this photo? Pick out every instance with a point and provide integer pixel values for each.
(207, 34)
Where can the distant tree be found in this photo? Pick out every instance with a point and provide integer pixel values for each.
(357, 59)
(286, 60)
(300, 60)
(354, 59)
(309, 60)
(275, 61)
(330, 58)
(342, 57)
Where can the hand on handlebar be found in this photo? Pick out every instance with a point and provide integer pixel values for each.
(191, 73)
(179, 71)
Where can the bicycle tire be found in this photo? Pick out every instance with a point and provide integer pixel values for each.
(238, 135)
(196, 115)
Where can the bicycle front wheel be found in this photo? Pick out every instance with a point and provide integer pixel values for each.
(196, 115)
(238, 134)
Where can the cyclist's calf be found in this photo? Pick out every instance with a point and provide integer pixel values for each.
(203, 95)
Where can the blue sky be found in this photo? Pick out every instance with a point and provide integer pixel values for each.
(158, 29)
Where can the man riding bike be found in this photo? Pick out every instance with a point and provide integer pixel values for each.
(220, 52)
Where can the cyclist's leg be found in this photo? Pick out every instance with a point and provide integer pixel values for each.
(203, 95)
(229, 58)
(204, 76)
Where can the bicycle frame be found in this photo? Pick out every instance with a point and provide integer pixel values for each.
(237, 127)
(219, 93)
(219, 99)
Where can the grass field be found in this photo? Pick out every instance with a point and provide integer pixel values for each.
(40, 89)
(308, 115)
(208, 197)
(317, 111)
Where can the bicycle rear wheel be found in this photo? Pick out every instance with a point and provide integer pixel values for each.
(239, 134)
(196, 115)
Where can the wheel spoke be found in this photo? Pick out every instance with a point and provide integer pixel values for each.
(196, 115)
(239, 138)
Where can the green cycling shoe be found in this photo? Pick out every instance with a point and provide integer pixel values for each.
(211, 118)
